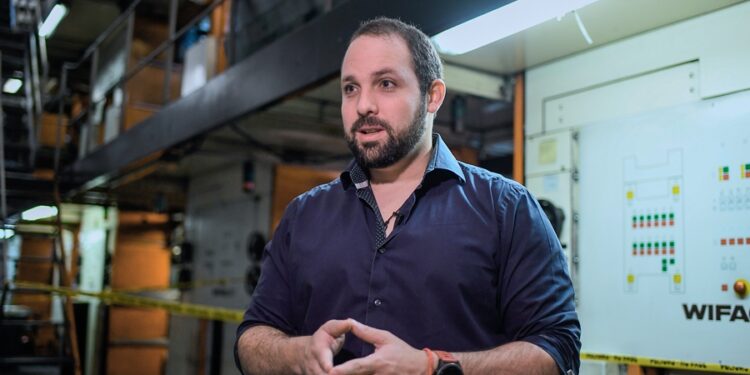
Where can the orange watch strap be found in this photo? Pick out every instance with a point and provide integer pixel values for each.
(430, 362)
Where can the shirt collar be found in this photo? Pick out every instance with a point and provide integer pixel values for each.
(442, 159)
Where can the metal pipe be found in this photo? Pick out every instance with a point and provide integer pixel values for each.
(42, 49)
(3, 202)
(28, 88)
(121, 85)
(37, 102)
(170, 50)
(60, 112)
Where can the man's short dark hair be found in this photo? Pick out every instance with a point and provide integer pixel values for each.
(425, 59)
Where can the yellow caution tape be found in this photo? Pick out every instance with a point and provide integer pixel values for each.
(667, 363)
(232, 315)
(123, 299)
(185, 285)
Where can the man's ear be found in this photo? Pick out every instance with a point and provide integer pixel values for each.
(436, 95)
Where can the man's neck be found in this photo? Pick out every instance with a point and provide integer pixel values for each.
(409, 168)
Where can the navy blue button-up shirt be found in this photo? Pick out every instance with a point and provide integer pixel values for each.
(472, 263)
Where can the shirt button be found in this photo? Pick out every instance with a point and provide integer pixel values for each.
(377, 302)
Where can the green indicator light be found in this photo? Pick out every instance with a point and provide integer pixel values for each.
(671, 261)
(642, 245)
(664, 245)
(635, 218)
(649, 244)
(664, 261)
(663, 216)
(671, 215)
(648, 217)
(747, 166)
(634, 245)
(671, 243)
(726, 169)
(641, 218)
(664, 269)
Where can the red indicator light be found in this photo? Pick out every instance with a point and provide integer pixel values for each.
(723, 242)
(671, 251)
(664, 252)
(724, 287)
(671, 223)
(740, 241)
(731, 241)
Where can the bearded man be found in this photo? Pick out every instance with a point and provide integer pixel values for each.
(411, 262)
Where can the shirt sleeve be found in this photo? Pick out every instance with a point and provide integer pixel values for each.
(536, 298)
(270, 303)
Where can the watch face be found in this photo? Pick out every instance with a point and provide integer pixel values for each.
(450, 369)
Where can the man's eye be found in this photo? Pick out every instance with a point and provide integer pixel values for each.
(388, 84)
(348, 89)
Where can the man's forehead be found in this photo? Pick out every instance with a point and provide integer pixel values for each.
(376, 54)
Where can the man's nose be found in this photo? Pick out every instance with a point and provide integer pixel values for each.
(366, 104)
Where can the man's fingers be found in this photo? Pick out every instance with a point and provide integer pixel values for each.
(372, 335)
(336, 328)
(360, 366)
(325, 361)
(337, 344)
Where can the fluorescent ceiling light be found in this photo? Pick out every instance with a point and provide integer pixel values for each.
(39, 212)
(6, 233)
(12, 85)
(50, 24)
(502, 22)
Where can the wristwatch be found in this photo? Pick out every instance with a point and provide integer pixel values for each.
(447, 364)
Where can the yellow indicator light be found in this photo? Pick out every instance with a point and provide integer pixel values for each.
(631, 278)
(676, 190)
(677, 278)
(630, 195)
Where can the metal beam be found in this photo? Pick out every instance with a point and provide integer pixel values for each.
(294, 62)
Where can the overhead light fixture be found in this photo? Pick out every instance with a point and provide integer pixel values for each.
(39, 212)
(6, 233)
(53, 19)
(502, 22)
(12, 85)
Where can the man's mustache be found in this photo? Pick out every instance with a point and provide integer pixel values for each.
(371, 121)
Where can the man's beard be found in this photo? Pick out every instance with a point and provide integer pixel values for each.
(396, 147)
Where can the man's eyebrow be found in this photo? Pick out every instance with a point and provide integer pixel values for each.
(384, 71)
(379, 73)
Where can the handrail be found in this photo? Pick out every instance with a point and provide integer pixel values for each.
(166, 44)
(142, 63)
(106, 33)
